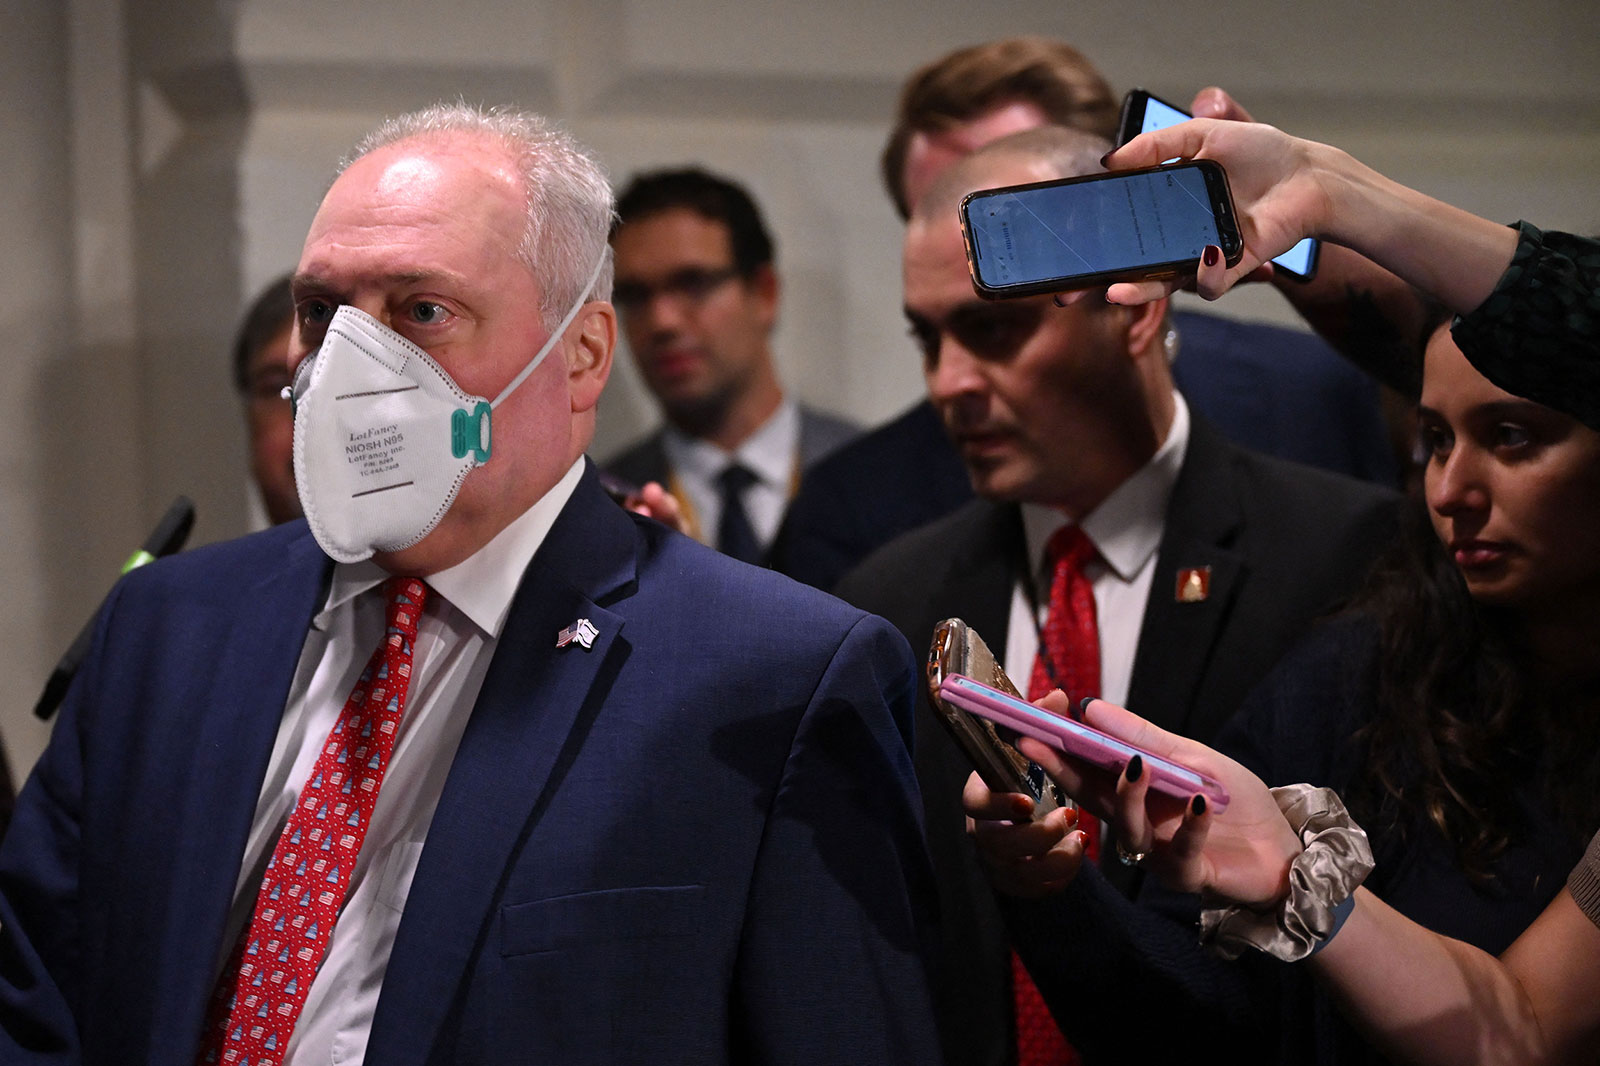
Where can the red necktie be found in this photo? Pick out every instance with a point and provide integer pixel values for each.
(263, 986)
(1068, 659)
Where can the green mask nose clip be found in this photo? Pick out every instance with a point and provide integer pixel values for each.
(469, 432)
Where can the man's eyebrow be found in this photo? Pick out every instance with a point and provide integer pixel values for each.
(315, 283)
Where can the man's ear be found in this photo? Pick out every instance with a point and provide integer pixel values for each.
(592, 340)
(764, 284)
(1145, 330)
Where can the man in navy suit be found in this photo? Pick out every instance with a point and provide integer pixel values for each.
(698, 293)
(644, 803)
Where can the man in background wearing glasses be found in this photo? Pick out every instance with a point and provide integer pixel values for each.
(698, 298)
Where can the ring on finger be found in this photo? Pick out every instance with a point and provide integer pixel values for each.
(1130, 858)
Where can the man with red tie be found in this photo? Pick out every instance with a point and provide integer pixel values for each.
(1120, 548)
(472, 766)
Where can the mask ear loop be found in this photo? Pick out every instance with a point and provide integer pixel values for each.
(470, 431)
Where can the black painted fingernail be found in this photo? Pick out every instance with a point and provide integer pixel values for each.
(1211, 255)
(1135, 768)
(1198, 806)
(1105, 157)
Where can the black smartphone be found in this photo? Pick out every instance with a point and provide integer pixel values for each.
(1075, 233)
(1144, 111)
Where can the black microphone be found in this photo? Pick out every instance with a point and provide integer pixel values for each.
(167, 537)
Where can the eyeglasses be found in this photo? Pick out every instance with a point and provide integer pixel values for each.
(691, 286)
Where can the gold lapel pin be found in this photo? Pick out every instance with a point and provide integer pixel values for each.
(1194, 584)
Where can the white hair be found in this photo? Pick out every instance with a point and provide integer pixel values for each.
(570, 206)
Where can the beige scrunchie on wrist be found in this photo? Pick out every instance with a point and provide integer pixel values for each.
(1335, 861)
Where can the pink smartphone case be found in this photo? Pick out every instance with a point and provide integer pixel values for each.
(1079, 741)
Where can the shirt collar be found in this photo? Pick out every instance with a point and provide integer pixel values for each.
(481, 585)
(769, 452)
(1126, 528)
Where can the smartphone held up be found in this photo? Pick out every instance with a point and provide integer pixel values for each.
(1078, 233)
(1143, 111)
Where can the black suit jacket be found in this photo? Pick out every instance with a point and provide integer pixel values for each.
(1283, 542)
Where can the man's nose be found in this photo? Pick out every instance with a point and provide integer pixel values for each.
(952, 372)
(662, 313)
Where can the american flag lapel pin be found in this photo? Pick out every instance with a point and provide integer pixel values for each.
(582, 632)
(1194, 584)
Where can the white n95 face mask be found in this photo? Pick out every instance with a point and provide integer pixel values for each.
(383, 438)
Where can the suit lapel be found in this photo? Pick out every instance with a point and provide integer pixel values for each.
(982, 571)
(529, 712)
(1179, 632)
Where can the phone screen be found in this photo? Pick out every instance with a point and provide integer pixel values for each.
(1044, 233)
(1158, 115)
(1301, 260)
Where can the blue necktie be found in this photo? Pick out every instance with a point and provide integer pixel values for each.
(735, 536)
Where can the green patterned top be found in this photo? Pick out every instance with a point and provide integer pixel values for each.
(1538, 333)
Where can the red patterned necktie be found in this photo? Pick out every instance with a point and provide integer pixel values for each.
(1068, 659)
(263, 986)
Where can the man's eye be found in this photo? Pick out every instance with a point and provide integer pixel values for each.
(991, 336)
(428, 313)
(316, 312)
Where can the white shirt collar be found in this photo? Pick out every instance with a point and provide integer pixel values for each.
(769, 452)
(1126, 528)
(481, 585)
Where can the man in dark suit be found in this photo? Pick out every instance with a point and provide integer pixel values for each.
(1206, 560)
(698, 294)
(1279, 391)
(640, 803)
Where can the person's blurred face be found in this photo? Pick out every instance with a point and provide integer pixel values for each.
(1513, 488)
(698, 329)
(422, 235)
(1028, 391)
(930, 154)
(270, 421)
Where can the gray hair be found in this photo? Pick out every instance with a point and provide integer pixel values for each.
(570, 206)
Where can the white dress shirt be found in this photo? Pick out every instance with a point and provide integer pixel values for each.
(456, 638)
(771, 453)
(1126, 531)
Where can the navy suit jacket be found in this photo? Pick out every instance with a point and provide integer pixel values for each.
(1283, 541)
(696, 842)
(1278, 391)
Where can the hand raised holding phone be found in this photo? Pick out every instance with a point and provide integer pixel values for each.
(1241, 852)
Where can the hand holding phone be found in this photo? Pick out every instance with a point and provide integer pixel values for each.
(1079, 741)
(1143, 111)
(1077, 233)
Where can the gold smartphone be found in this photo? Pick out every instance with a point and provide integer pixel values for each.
(957, 649)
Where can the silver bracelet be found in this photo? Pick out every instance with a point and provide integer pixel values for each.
(1335, 861)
